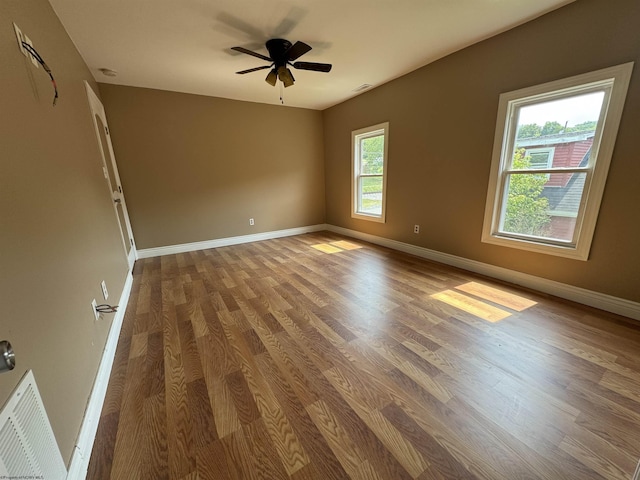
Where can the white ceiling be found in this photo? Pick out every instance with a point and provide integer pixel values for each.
(184, 45)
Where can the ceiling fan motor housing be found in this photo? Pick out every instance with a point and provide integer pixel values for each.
(277, 48)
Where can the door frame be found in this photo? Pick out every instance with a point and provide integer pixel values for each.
(117, 195)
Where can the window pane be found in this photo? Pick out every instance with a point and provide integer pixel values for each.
(370, 201)
(567, 125)
(372, 155)
(539, 159)
(534, 208)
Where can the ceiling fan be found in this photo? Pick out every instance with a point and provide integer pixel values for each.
(282, 54)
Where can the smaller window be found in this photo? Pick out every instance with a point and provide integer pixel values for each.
(540, 158)
(369, 167)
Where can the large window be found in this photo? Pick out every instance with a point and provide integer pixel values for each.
(551, 156)
(369, 167)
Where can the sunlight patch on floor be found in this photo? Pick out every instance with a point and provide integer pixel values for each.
(327, 248)
(471, 305)
(335, 247)
(495, 295)
(346, 245)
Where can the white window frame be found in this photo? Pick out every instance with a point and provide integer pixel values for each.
(614, 81)
(356, 136)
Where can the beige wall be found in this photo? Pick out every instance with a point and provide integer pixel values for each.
(59, 234)
(442, 122)
(197, 168)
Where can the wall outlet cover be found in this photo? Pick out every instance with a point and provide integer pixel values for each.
(94, 305)
(21, 37)
(33, 59)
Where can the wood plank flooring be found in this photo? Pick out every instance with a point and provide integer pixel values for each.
(322, 357)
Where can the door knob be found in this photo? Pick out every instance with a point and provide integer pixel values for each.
(7, 357)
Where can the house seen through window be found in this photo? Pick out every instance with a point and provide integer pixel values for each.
(551, 162)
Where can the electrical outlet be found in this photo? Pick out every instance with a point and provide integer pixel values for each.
(94, 305)
(21, 37)
(416, 229)
(251, 222)
(105, 292)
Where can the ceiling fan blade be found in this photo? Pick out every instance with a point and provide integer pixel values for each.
(316, 67)
(242, 72)
(296, 51)
(272, 78)
(285, 76)
(237, 25)
(289, 22)
(249, 52)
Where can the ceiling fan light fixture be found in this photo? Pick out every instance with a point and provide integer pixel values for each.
(285, 76)
(272, 78)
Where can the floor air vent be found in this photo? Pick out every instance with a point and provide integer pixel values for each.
(28, 448)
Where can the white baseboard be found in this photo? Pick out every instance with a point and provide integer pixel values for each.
(225, 242)
(82, 451)
(602, 301)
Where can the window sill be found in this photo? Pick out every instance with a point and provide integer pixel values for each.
(577, 252)
(370, 218)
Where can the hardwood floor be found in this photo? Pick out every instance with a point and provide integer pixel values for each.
(320, 357)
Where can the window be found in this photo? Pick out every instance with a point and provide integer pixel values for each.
(540, 157)
(551, 156)
(368, 187)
